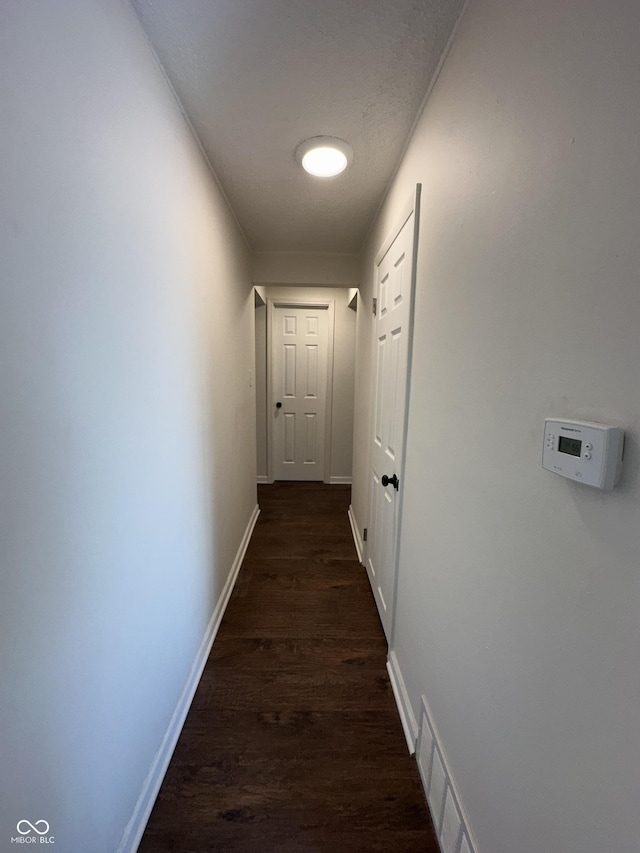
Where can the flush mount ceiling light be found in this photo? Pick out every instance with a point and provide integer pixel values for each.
(324, 156)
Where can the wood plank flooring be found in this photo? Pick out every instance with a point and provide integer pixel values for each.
(293, 742)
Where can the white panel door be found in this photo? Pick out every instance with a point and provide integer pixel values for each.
(299, 368)
(390, 377)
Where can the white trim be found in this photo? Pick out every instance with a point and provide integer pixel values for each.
(409, 206)
(339, 481)
(329, 396)
(293, 303)
(357, 539)
(450, 785)
(407, 717)
(262, 479)
(134, 830)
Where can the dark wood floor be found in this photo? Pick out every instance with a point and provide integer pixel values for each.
(293, 742)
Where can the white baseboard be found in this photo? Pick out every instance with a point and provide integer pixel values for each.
(333, 481)
(407, 717)
(445, 804)
(357, 539)
(134, 830)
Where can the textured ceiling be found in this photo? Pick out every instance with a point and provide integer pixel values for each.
(257, 77)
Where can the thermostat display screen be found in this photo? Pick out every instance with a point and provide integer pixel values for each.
(569, 445)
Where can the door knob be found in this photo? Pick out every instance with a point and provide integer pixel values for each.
(390, 481)
(278, 405)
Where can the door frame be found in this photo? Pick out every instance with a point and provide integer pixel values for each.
(412, 206)
(322, 305)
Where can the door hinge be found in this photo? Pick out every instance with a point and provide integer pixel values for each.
(364, 535)
(375, 306)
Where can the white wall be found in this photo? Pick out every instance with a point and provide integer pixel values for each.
(343, 374)
(518, 607)
(305, 268)
(125, 405)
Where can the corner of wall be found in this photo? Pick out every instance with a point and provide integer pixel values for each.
(135, 828)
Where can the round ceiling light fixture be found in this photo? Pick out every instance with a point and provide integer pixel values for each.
(324, 156)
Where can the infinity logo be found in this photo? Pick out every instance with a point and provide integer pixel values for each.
(33, 827)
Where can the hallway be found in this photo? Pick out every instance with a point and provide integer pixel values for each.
(293, 741)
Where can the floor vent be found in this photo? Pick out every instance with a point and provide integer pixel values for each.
(449, 820)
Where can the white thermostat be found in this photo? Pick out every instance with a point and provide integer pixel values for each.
(586, 452)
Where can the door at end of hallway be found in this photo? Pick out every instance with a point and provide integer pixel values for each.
(300, 369)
